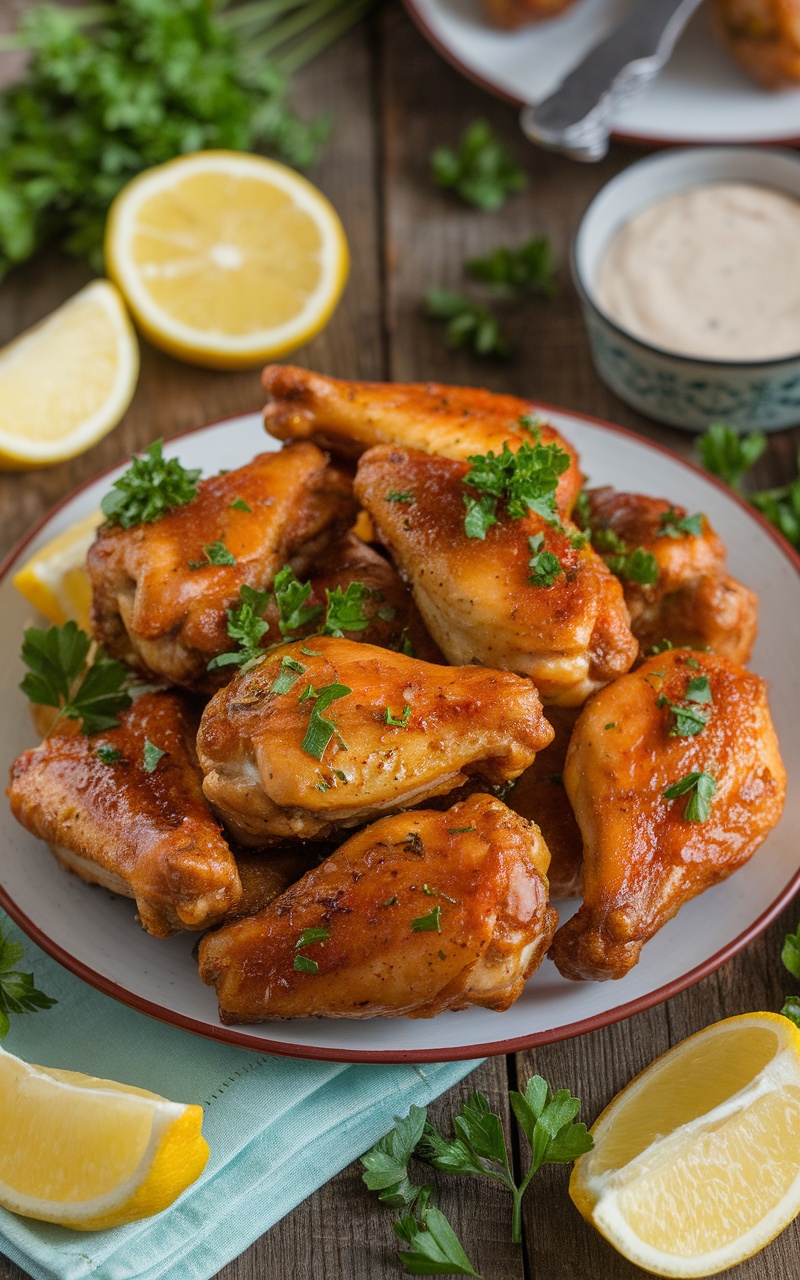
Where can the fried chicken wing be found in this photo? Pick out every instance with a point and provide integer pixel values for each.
(454, 422)
(646, 854)
(418, 913)
(764, 37)
(160, 605)
(540, 796)
(475, 595)
(148, 835)
(281, 761)
(694, 602)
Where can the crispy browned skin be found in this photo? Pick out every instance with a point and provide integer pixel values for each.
(540, 796)
(149, 836)
(475, 596)
(694, 602)
(764, 37)
(156, 613)
(454, 422)
(267, 873)
(642, 858)
(394, 620)
(462, 721)
(517, 13)
(488, 882)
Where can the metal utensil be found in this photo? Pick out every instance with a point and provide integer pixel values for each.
(576, 117)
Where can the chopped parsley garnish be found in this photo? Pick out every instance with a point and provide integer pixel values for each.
(458, 831)
(661, 647)
(311, 935)
(632, 566)
(217, 554)
(431, 923)
(690, 720)
(320, 731)
(239, 504)
(151, 756)
(675, 526)
(108, 755)
(390, 902)
(545, 565)
(399, 722)
(247, 626)
(468, 323)
(150, 487)
(311, 653)
(525, 480)
(395, 496)
(291, 596)
(302, 964)
(345, 611)
(480, 170)
(287, 676)
(529, 269)
(58, 676)
(701, 789)
(611, 725)
(692, 662)
(431, 893)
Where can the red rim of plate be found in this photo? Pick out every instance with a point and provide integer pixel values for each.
(568, 1031)
(636, 139)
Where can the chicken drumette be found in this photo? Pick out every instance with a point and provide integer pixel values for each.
(764, 37)
(540, 796)
(692, 720)
(418, 913)
(332, 734)
(477, 596)
(693, 601)
(161, 591)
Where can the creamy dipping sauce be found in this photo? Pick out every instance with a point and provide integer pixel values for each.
(712, 272)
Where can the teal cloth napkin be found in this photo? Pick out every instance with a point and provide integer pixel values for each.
(278, 1128)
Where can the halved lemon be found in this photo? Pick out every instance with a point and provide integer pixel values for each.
(89, 1153)
(67, 381)
(54, 580)
(696, 1164)
(225, 259)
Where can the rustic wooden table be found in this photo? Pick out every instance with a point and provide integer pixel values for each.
(393, 99)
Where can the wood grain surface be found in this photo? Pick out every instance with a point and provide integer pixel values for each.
(393, 99)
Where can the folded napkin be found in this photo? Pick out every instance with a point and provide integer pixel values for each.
(278, 1128)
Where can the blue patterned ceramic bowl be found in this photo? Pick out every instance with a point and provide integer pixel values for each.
(683, 391)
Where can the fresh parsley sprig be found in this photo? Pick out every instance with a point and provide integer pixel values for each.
(480, 170)
(18, 992)
(60, 675)
(345, 609)
(638, 565)
(701, 789)
(545, 565)
(690, 720)
(790, 957)
(291, 597)
(150, 487)
(525, 480)
(468, 324)
(320, 731)
(247, 626)
(730, 456)
(528, 269)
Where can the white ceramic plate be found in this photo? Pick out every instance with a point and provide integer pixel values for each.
(700, 96)
(94, 934)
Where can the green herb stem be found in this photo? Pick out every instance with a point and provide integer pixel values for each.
(306, 16)
(259, 13)
(302, 51)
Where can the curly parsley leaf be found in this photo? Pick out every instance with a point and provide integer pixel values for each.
(18, 993)
(247, 626)
(701, 789)
(529, 269)
(525, 480)
(150, 487)
(345, 609)
(480, 170)
(545, 566)
(58, 676)
(468, 324)
(320, 731)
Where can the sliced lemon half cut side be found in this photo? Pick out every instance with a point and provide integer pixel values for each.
(54, 580)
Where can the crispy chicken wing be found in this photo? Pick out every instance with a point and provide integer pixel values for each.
(281, 761)
(475, 595)
(454, 422)
(540, 796)
(645, 854)
(147, 835)
(764, 37)
(161, 606)
(694, 602)
(420, 912)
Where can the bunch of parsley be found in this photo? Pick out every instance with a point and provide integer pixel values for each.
(110, 91)
(730, 456)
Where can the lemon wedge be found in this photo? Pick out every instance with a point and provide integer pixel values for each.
(89, 1153)
(225, 259)
(67, 381)
(54, 580)
(696, 1164)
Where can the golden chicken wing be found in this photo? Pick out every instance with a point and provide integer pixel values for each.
(335, 733)
(478, 596)
(764, 38)
(540, 796)
(161, 591)
(418, 913)
(135, 823)
(689, 599)
(454, 422)
(675, 777)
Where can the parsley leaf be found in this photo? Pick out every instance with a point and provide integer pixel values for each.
(320, 731)
(217, 553)
(302, 964)
(729, 455)
(632, 566)
(481, 171)
(291, 596)
(345, 610)
(287, 676)
(151, 486)
(701, 788)
(531, 268)
(108, 755)
(545, 565)
(247, 626)
(312, 935)
(18, 993)
(791, 1009)
(430, 923)
(395, 495)
(434, 1247)
(469, 324)
(790, 954)
(239, 504)
(675, 526)
(526, 480)
(399, 722)
(151, 756)
(689, 720)
(386, 1163)
(59, 677)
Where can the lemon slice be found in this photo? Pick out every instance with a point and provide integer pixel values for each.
(67, 381)
(89, 1153)
(696, 1164)
(226, 260)
(54, 580)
